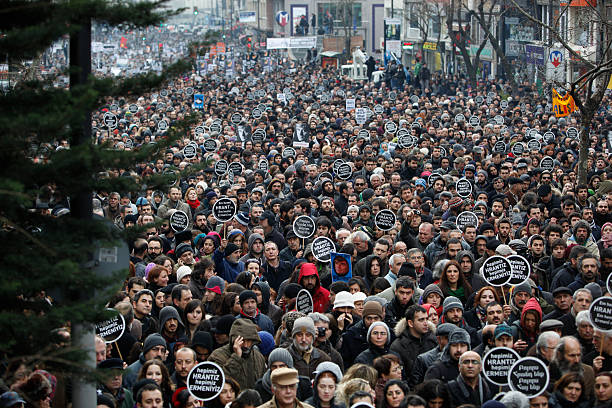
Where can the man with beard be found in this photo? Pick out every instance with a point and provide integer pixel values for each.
(306, 357)
(582, 300)
(174, 202)
(546, 345)
(520, 295)
(249, 310)
(469, 387)
(171, 327)
(239, 359)
(588, 266)
(438, 245)
(494, 313)
(309, 279)
(447, 367)
(581, 235)
(184, 360)
(452, 312)
(567, 359)
(568, 272)
(256, 248)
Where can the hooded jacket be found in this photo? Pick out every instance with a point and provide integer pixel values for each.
(167, 313)
(246, 369)
(274, 312)
(445, 369)
(407, 346)
(320, 295)
(518, 327)
(476, 281)
(250, 254)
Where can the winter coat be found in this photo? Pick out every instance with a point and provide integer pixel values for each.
(590, 245)
(274, 312)
(245, 370)
(320, 297)
(226, 269)
(130, 374)
(564, 276)
(407, 346)
(168, 205)
(250, 254)
(433, 250)
(276, 275)
(557, 400)
(588, 375)
(461, 393)
(305, 368)
(272, 404)
(421, 364)
(354, 341)
(264, 387)
(445, 369)
(262, 321)
(518, 327)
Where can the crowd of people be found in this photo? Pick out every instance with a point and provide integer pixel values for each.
(411, 325)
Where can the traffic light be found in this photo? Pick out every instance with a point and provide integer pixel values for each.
(195, 11)
(161, 46)
(249, 42)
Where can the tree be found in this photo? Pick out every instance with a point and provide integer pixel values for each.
(461, 38)
(47, 258)
(483, 17)
(589, 19)
(428, 15)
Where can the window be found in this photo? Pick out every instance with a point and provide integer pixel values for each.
(339, 15)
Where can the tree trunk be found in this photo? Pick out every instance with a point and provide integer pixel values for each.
(585, 144)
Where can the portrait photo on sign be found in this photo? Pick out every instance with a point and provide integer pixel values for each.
(342, 269)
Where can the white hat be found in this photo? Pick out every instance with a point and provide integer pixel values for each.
(182, 272)
(358, 297)
(344, 299)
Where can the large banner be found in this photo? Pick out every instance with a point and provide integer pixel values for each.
(563, 105)
(291, 42)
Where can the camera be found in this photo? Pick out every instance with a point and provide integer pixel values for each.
(321, 331)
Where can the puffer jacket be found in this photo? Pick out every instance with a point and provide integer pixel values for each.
(246, 369)
(407, 346)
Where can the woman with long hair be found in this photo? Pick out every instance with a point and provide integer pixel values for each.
(569, 392)
(453, 282)
(477, 316)
(156, 370)
(435, 393)
(228, 394)
(393, 394)
(194, 314)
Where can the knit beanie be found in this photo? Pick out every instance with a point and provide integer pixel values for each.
(432, 288)
(182, 272)
(304, 324)
(459, 335)
(153, 340)
(282, 355)
(451, 302)
(230, 249)
(328, 367)
(267, 342)
(247, 294)
(382, 324)
(372, 308)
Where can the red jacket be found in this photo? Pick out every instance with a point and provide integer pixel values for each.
(320, 296)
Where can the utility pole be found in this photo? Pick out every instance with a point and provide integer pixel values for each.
(83, 392)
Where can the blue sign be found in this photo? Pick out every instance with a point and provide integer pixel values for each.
(198, 101)
(342, 269)
(534, 54)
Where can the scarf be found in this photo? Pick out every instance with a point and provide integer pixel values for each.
(193, 203)
(606, 239)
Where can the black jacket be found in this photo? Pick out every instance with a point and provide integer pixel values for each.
(407, 346)
(461, 393)
(354, 341)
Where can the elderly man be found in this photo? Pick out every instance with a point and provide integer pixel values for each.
(581, 301)
(284, 387)
(567, 359)
(546, 345)
(306, 357)
(469, 387)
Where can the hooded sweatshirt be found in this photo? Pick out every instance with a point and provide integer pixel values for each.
(251, 254)
(274, 312)
(518, 327)
(320, 296)
(250, 366)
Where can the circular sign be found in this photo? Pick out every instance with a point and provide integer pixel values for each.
(179, 221)
(390, 127)
(236, 168)
(404, 140)
(504, 104)
(111, 329)
(215, 127)
(345, 171)
(190, 151)
(548, 137)
(392, 95)
(496, 364)
(224, 209)
(258, 136)
(465, 219)
(378, 109)
(162, 125)
(199, 130)
(521, 269)
(460, 118)
(205, 381)
(363, 133)
(534, 145)
(499, 147)
(303, 302)
(528, 375)
(474, 121)
(335, 165)
(172, 176)
(256, 113)
(288, 152)
(304, 226)
(211, 145)
(518, 149)
(547, 163)
(496, 270)
(499, 119)
(322, 247)
(263, 165)
(189, 91)
(572, 132)
(110, 120)
(479, 99)
(435, 123)
(432, 179)
(609, 283)
(221, 167)
(414, 99)
(385, 220)
(600, 313)
(133, 108)
(325, 175)
(464, 188)
(236, 118)
(163, 92)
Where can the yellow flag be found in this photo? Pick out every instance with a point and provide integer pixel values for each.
(563, 105)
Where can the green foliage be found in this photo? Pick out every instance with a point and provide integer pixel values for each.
(47, 279)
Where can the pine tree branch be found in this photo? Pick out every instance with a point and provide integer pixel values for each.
(25, 233)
